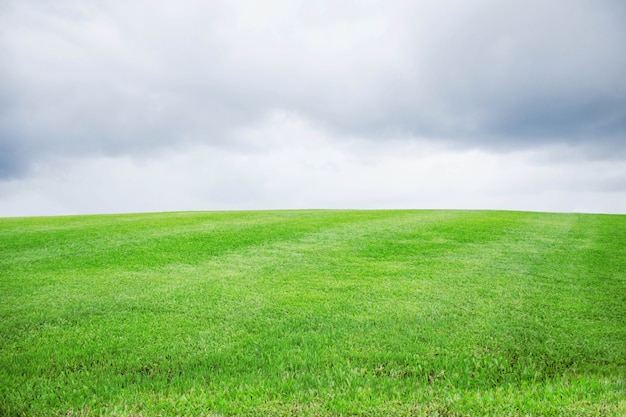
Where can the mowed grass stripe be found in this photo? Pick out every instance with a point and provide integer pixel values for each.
(313, 312)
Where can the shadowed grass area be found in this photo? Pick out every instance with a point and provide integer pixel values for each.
(313, 313)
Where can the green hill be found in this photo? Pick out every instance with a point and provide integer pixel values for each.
(313, 313)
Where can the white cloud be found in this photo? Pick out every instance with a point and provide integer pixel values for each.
(287, 161)
(134, 105)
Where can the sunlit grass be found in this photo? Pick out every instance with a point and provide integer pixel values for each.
(314, 313)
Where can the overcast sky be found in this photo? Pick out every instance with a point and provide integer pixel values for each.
(145, 105)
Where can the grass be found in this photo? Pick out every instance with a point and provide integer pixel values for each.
(440, 313)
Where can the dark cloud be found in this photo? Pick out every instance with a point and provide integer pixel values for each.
(505, 75)
(11, 161)
(600, 122)
(130, 77)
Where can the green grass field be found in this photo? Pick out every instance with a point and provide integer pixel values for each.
(442, 313)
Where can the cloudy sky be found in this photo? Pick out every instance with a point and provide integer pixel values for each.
(146, 105)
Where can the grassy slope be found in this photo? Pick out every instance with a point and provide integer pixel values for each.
(314, 312)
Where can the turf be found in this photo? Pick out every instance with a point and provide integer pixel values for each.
(442, 313)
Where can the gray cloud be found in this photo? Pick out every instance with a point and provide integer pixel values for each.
(130, 77)
(301, 166)
(517, 74)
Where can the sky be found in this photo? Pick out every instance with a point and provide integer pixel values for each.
(144, 105)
